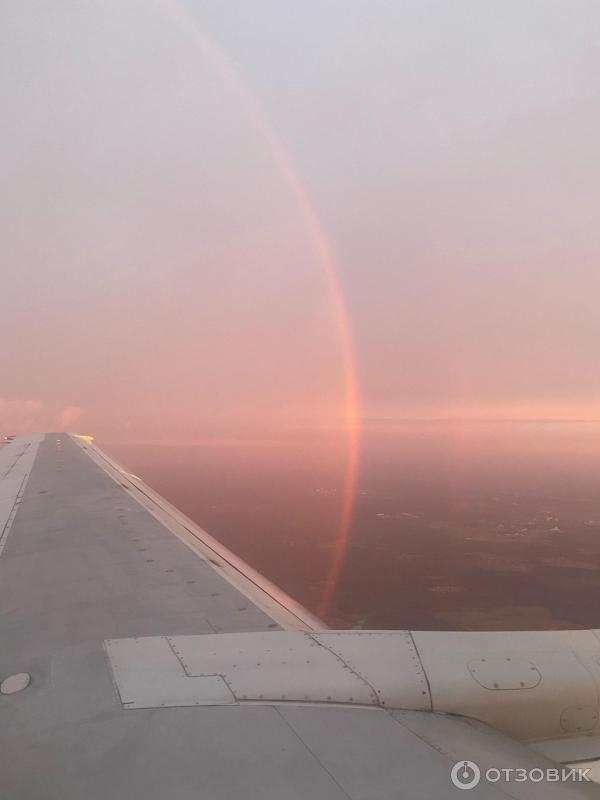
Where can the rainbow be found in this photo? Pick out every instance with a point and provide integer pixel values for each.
(351, 411)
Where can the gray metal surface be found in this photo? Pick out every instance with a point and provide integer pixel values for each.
(357, 668)
(86, 563)
(533, 685)
(16, 461)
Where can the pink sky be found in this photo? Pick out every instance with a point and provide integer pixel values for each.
(158, 277)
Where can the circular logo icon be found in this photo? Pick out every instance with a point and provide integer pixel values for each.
(465, 774)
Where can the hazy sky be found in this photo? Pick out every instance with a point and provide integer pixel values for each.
(158, 279)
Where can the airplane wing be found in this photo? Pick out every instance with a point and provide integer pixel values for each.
(141, 659)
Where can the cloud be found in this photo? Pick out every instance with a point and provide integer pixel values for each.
(70, 416)
(20, 416)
